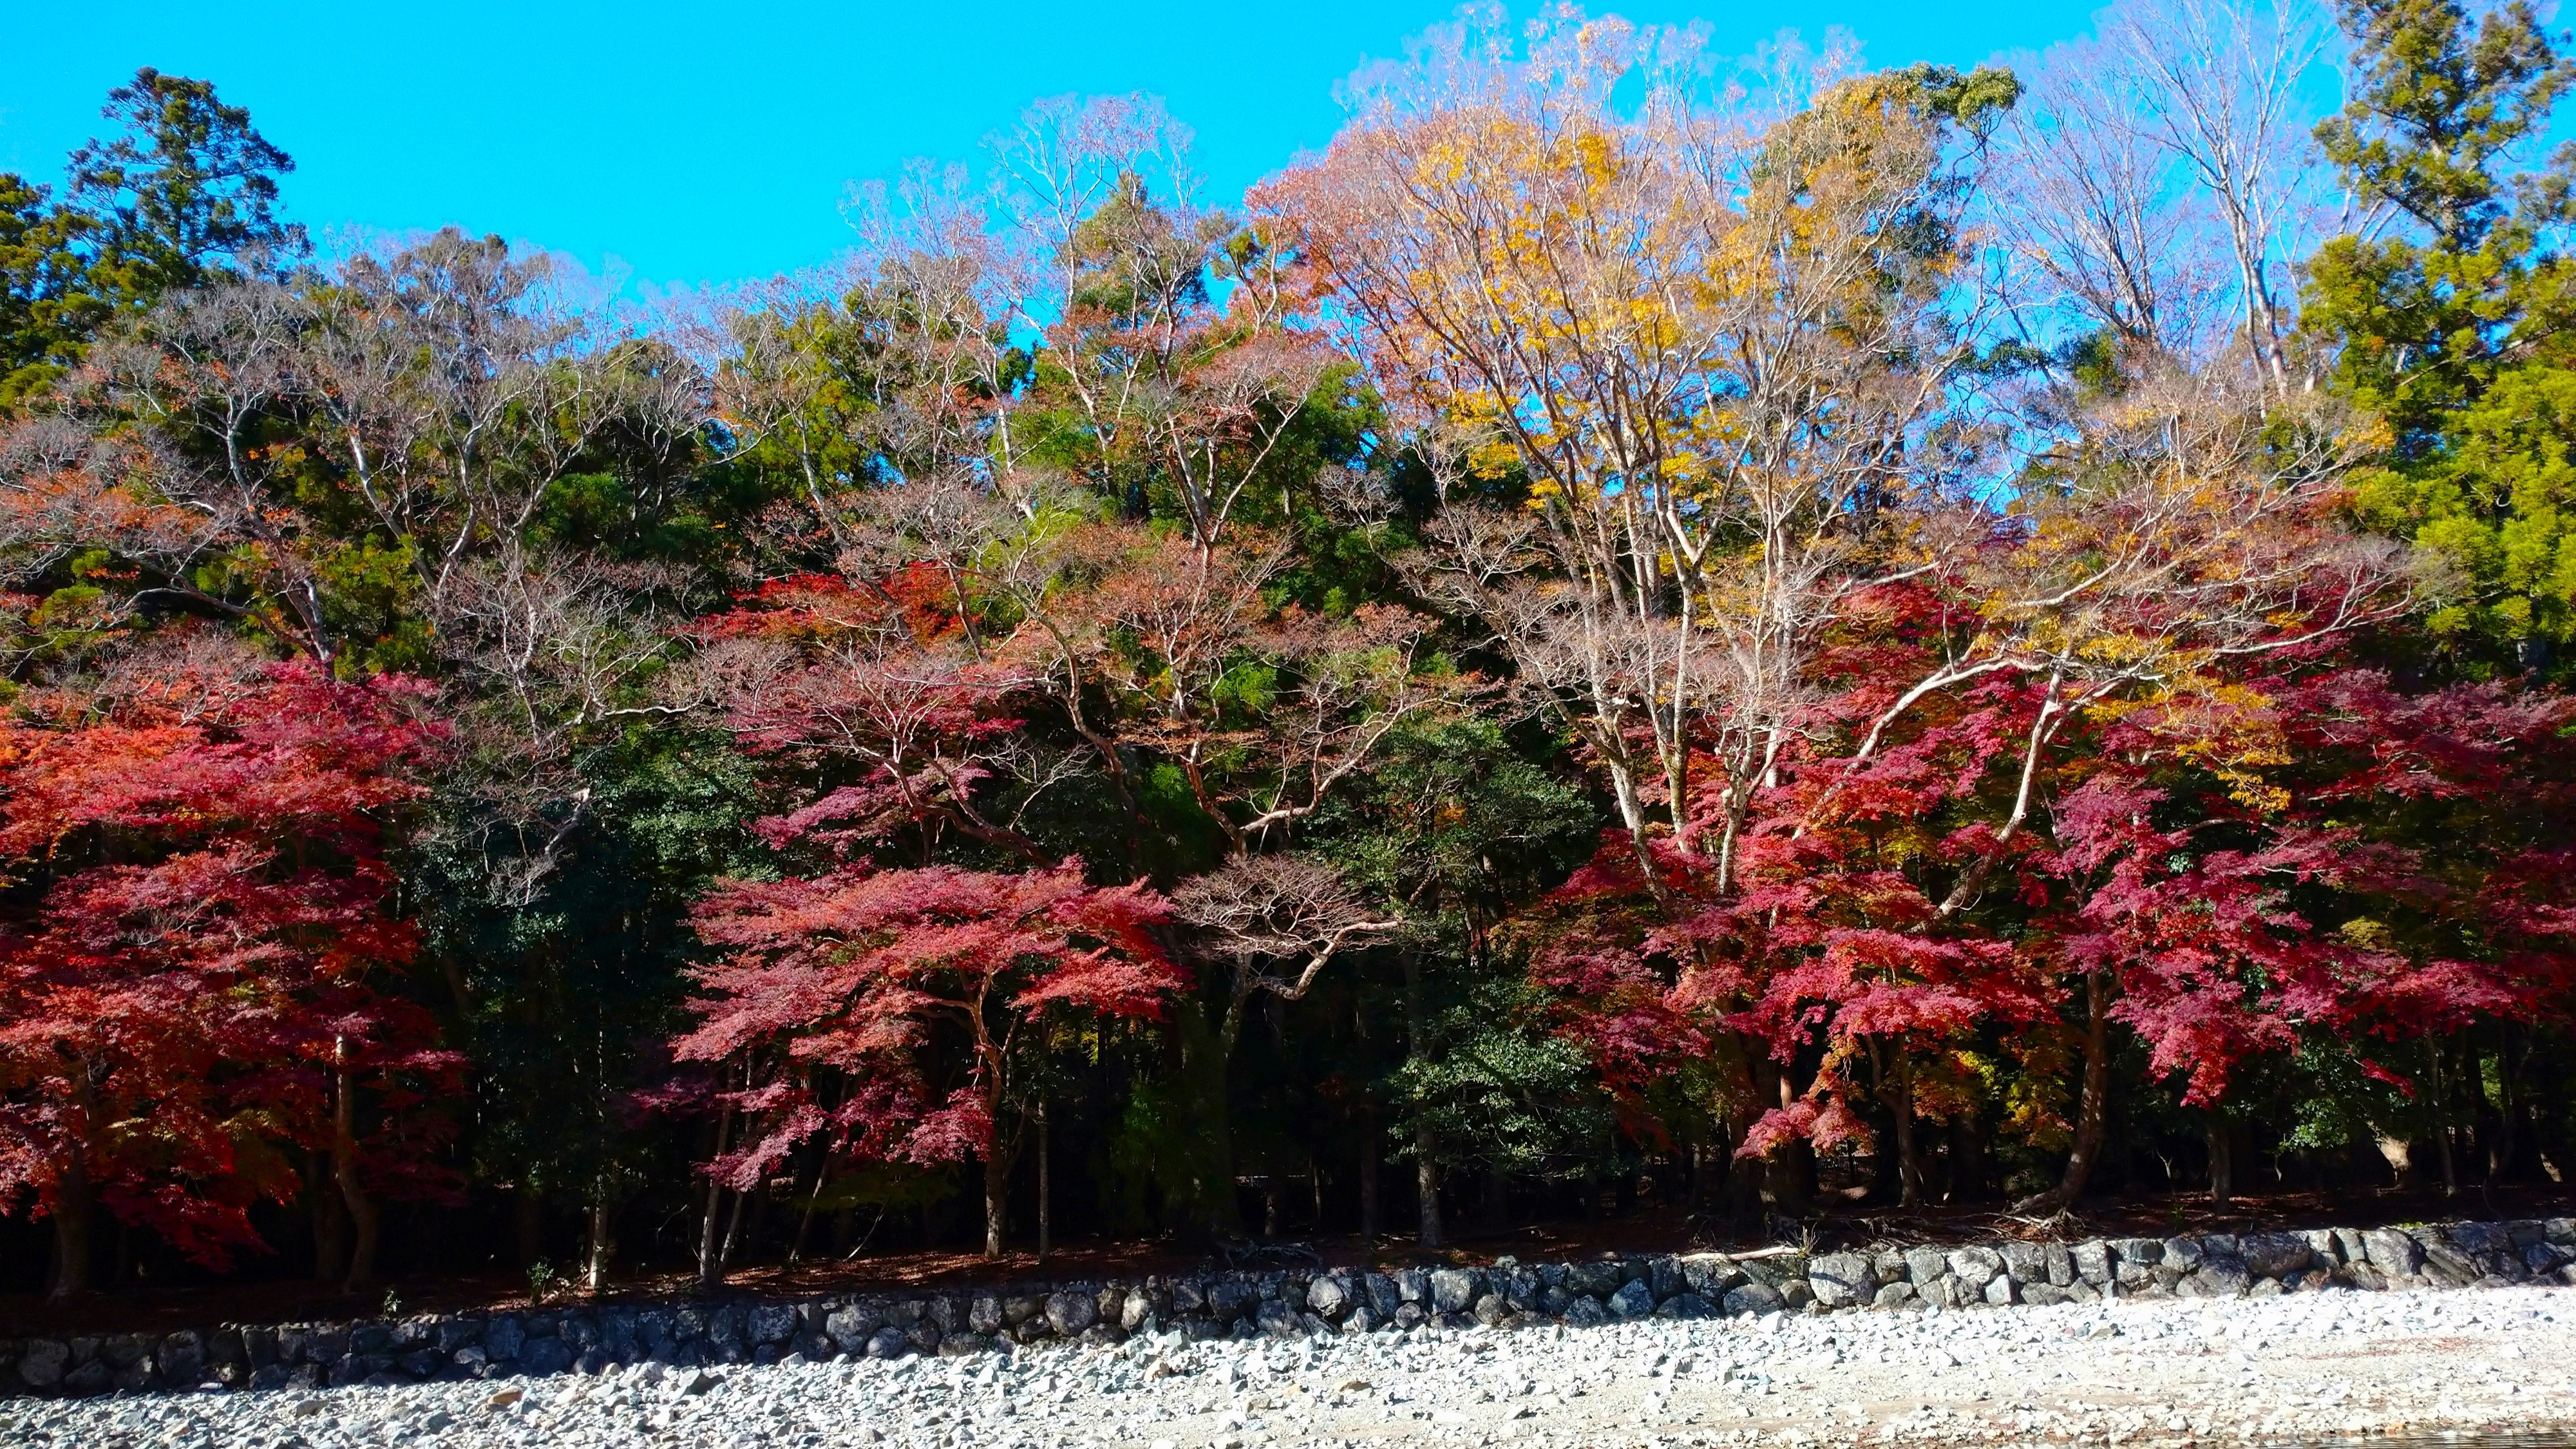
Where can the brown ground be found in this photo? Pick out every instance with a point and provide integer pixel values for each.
(1646, 1230)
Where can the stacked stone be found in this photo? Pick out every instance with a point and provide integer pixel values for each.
(1295, 1304)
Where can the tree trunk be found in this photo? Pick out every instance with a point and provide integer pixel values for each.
(1909, 1161)
(997, 1200)
(1426, 1184)
(1426, 1168)
(71, 1230)
(710, 1268)
(732, 1234)
(2442, 1117)
(364, 1222)
(330, 1221)
(2092, 1110)
(1046, 1187)
(2222, 1162)
(603, 1237)
(528, 1224)
(1369, 1219)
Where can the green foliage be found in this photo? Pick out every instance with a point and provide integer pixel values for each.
(2454, 330)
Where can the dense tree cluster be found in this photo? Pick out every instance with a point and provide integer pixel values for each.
(1757, 633)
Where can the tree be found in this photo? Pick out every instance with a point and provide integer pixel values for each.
(2441, 309)
(205, 979)
(187, 194)
(893, 1013)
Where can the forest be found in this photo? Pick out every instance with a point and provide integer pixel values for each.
(1752, 635)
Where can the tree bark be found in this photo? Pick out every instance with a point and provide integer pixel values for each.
(710, 1268)
(997, 1201)
(1426, 1184)
(2222, 1162)
(71, 1230)
(2092, 1108)
(1369, 1219)
(1909, 1162)
(528, 1224)
(330, 1220)
(1426, 1168)
(364, 1222)
(603, 1243)
(1046, 1186)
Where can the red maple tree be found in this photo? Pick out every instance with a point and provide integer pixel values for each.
(196, 978)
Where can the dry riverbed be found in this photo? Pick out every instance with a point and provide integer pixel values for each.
(2301, 1367)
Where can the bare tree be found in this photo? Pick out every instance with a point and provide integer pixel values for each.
(1277, 920)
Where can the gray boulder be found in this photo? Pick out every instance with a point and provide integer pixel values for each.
(43, 1363)
(1975, 1267)
(1586, 1312)
(1454, 1290)
(851, 1327)
(1840, 1280)
(1754, 1298)
(1382, 1294)
(2270, 1255)
(2218, 1276)
(2392, 1252)
(1592, 1278)
(1277, 1319)
(1331, 1296)
(1069, 1313)
(1635, 1299)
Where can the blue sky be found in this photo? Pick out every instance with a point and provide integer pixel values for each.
(679, 145)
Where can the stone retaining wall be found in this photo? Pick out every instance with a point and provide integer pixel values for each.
(1289, 1304)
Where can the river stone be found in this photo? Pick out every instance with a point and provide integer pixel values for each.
(776, 1322)
(1893, 1295)
(1922, 1265)
(1586, 1312)
(182, 1357)
(2184, 1254)
(1330, 1296)
(1592, 1278)
(540, 1356)
(2218, 1276)
(1753, 1298)
(1453, 1290)
(1069, 1313)
(1493, 1310)
(1975, 1267)
(1686, 1304)
(2270, 1255)
(2392, 1252)
(1277, 1319)
(1840, 1280)
(1710, 1274)
(850, 1328)
(43, 1363)
(1412, 1285)
(1664, 1276)
(1382, 1294)
(2092, 1262)
(1633, 1300)
(1999, 1290)
(886, 1342)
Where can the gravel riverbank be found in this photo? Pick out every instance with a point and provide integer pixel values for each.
(2301, 1367)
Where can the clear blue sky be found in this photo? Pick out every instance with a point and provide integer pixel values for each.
(708, 143)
